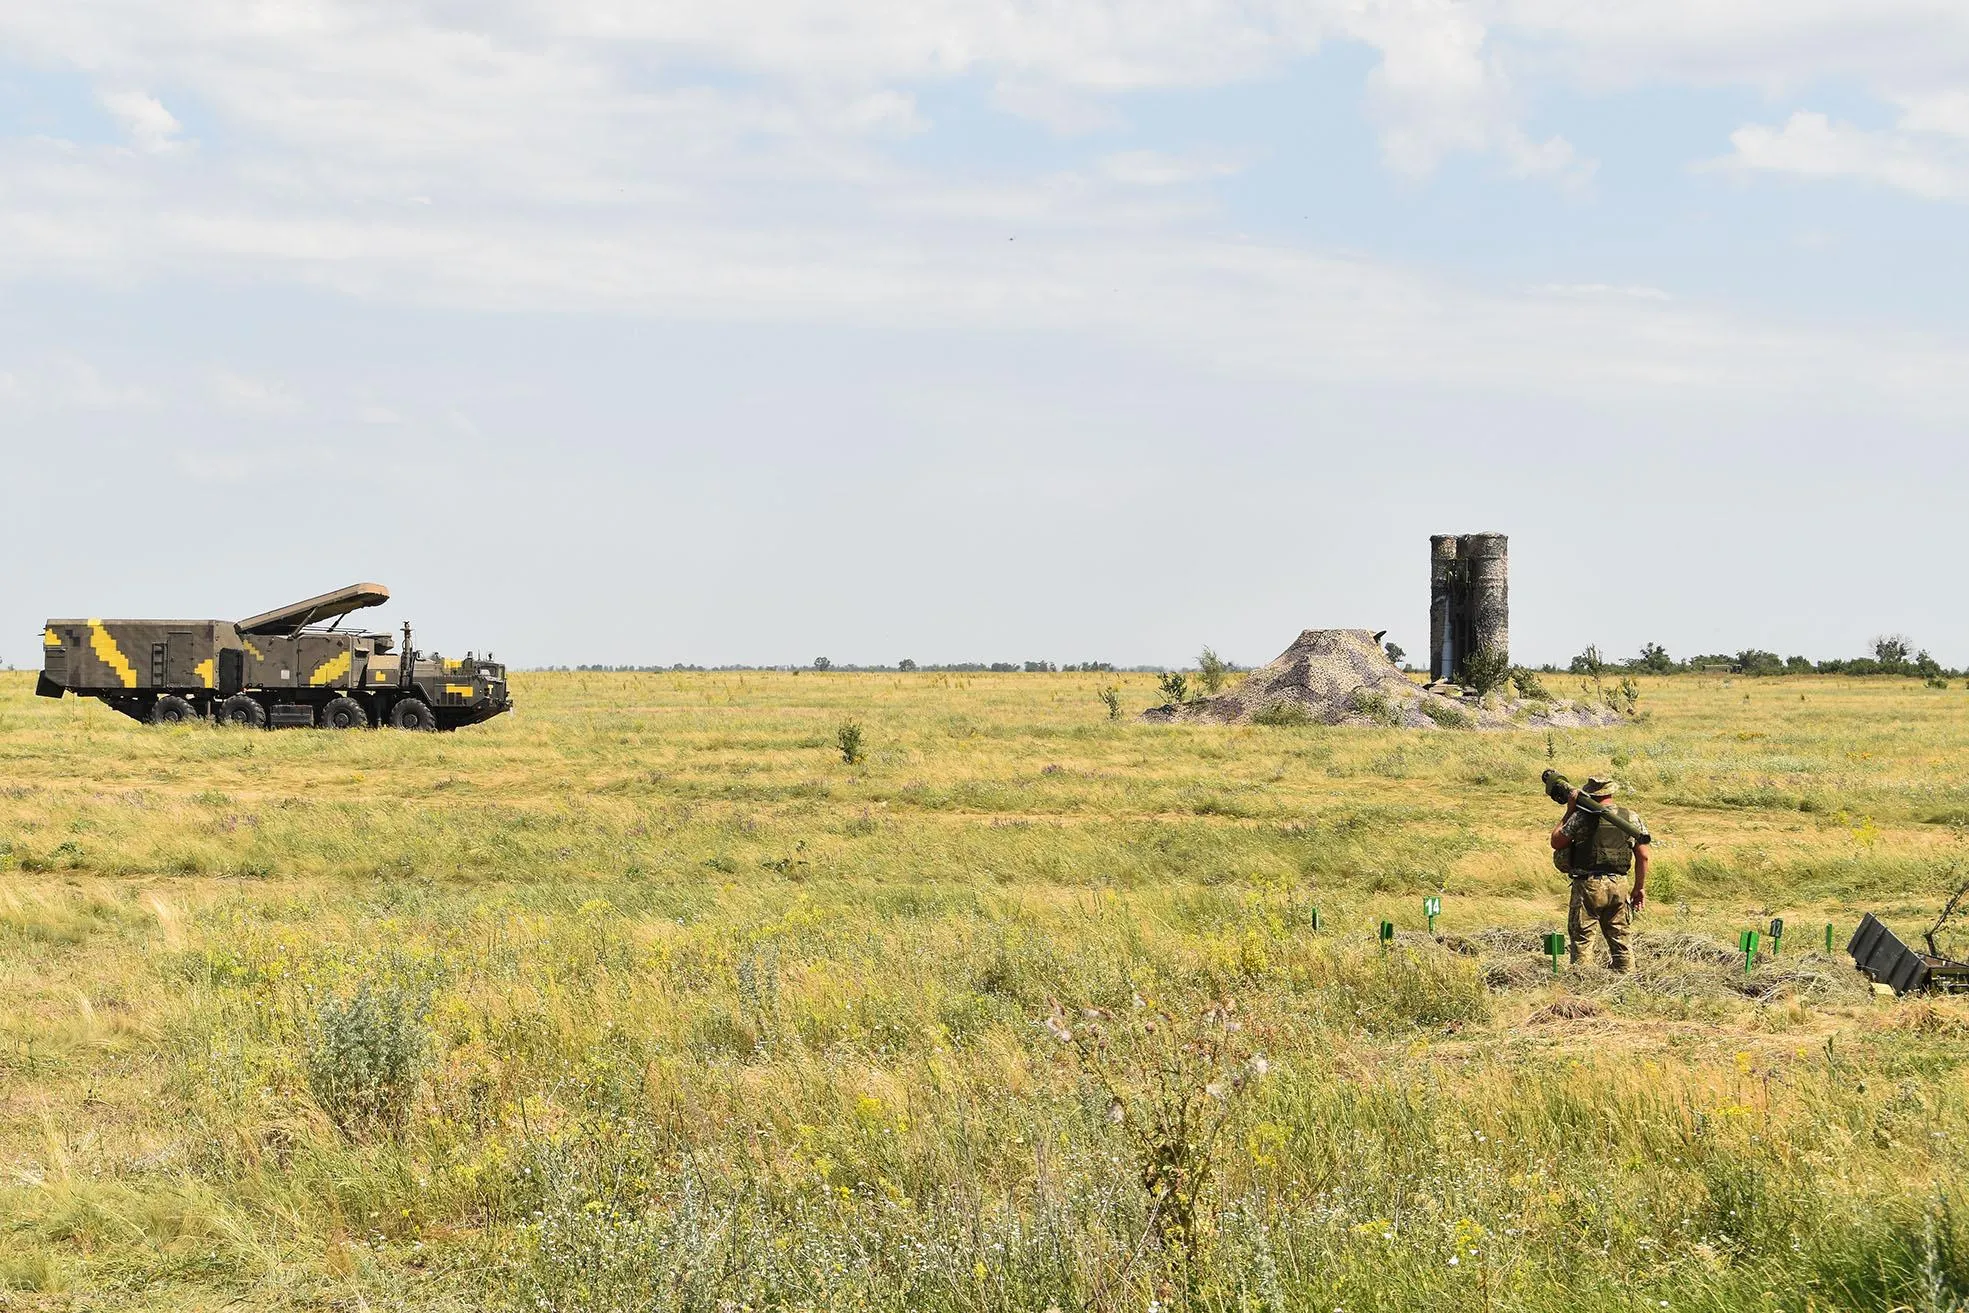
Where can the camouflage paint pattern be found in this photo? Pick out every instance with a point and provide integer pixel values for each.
(132, 664)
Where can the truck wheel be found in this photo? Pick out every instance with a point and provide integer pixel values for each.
(173, 710)
(345, 713)
(244, 711)
(413, 713)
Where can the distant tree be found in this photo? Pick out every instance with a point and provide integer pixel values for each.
(822, 663)
(1797, 665)
(1589, 662)
(1395, 652)
(1654, 660)
(1756, 661)
(1892, 651)
(905, 664)
(1210, 671)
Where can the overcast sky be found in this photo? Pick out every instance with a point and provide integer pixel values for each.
(750, 332)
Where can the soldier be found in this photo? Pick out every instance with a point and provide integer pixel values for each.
(1597, 855)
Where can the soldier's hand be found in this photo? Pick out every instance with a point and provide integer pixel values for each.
(1637, 899)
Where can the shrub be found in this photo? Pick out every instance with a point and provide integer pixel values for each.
(1589, 662)
(848, 739)
(1111, 699)
(1486, 669)
(1374, 704)
(1174, 686)
(364, 1056)
(1210, 671)
(1282, 714)
(1396, 653)
(1447, 716)
(1529, 685)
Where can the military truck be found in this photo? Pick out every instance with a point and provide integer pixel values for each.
(292, 666)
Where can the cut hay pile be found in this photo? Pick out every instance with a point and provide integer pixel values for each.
(1343, 677)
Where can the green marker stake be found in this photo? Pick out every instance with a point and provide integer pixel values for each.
(1432, 907)
(1555, 944)
(1828, 936)
(1313, 918)
(1747, 941)
(1387, 934)
(1777, 935)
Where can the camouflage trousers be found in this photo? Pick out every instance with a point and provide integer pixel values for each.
(1597, 902)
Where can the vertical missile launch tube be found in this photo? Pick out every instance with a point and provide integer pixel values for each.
(1487, 557)
(1442, 567)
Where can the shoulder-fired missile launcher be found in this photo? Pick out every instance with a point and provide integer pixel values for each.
(294, 666)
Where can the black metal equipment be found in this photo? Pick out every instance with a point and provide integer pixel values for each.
(1885, 959)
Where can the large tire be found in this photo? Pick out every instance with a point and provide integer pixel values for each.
(244, 711)
(413, 713)
(345, 713)
(173, 710)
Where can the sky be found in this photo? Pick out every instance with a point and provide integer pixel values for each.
(749, 333)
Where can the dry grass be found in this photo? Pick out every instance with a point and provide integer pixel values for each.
(705, 1017)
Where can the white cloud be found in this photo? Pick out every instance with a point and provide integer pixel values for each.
(707, 160)
(150, 126)
(1155, 168)
(252, 395)
(1069, 112)
(63, 382)
(1604, 289)
(1814, 146)
(1439, 89)
(230, 467)
(1944, 112)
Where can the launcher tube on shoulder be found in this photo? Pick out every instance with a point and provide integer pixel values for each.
(1560, 789)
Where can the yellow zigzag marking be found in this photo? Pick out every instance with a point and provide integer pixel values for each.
(110, 654)
(204, 671)
(254, 650)
(332, 669)
(51, 638)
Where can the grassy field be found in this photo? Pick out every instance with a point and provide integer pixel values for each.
(643, 998)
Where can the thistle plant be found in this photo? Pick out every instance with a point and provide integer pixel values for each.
(1172, 1081)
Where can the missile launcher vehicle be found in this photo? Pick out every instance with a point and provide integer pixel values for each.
(293, 666)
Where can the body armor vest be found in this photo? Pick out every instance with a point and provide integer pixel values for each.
(1605, 848)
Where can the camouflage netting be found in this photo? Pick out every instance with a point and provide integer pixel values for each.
(1343, 677)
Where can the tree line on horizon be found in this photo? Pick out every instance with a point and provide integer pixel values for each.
(1890, 654)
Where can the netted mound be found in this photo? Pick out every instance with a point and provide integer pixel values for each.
(1344, 677)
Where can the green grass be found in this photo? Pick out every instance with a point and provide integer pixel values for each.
(644, 997)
